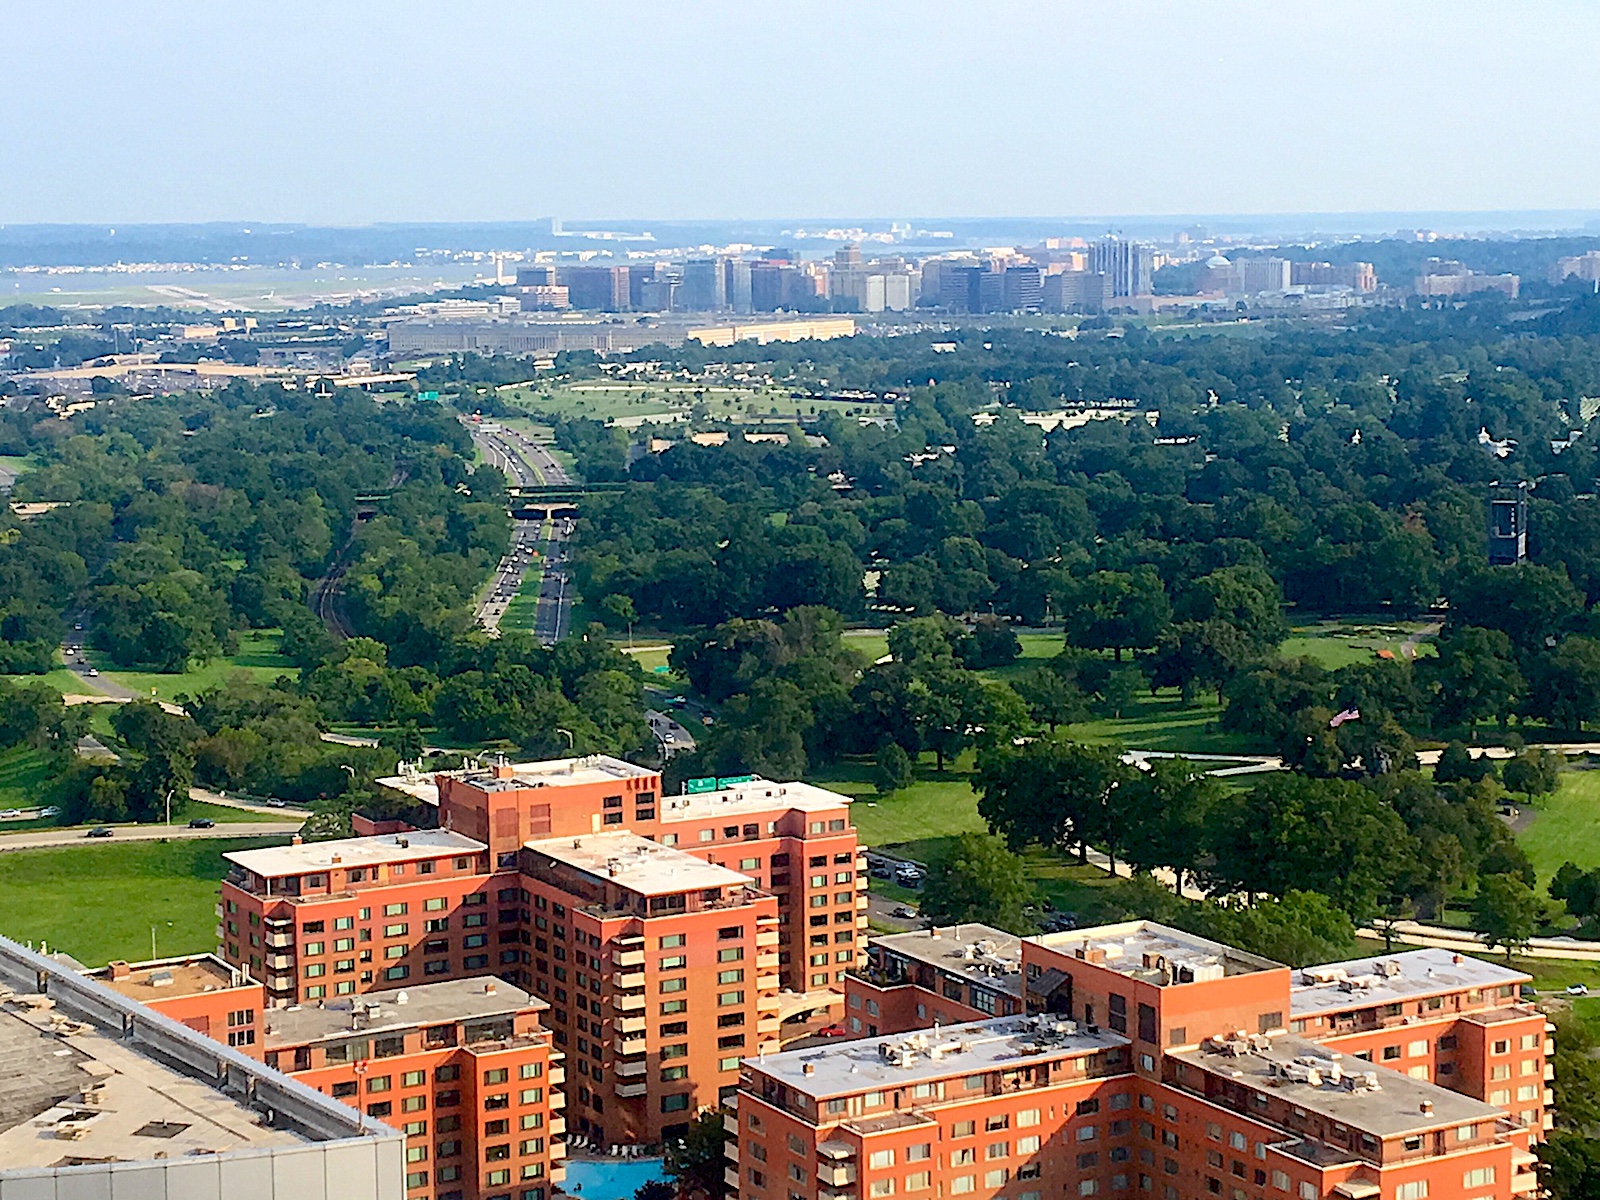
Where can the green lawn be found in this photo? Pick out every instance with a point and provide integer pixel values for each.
(63, 680)
(935, 806)
(1336, 644)
(99, 903)
(258, 657)
(1165, 722)
(23, 775)
(1565, 826)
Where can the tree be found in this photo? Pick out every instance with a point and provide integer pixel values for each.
(617, 611)
(1051, 792)
(1052, 699)
(1457, 762)
(1564, 683)
(1509, 913)
(697, 1162)
(1569, 1163)
(655, 1189)
(1474, 676)
(1163, 811)
(1295, 833)
(978, 880)
(1297, 929)
(1533, 772)
(990, 643)
(893, 770)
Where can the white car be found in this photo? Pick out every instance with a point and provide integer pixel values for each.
(10, 814)
(1576, 989)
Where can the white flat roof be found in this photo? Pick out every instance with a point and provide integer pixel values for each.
(1144, 949)
(637, 863)
(866, 1064)
(759, 795)
(277, 861)
(1387, 978)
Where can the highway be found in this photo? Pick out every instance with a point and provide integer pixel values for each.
(525, 463)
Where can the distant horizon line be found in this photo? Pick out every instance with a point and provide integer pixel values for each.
(1286, 215)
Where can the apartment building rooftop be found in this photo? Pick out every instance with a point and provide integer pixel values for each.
(276, 861)
(758, 795)
(981, 954)
(637, 864)
(1346, 1090)
(164, 978)
(1155, 953)
(1001, 1044)
(502, 777)
(457, 1000)
(1391, 978)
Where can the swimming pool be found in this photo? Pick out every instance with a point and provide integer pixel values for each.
(610, 1178)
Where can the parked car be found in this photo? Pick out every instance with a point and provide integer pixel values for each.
(51, 811)
(10, 814)
(905, 913)
(100, 831)
(832, 1031)
(1577, 989)
(202, 823)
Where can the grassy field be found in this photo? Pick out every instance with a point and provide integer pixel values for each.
(523, 611)
(63, 680)
(1565, 826)
(873, 644)
(23, 775)
(608, 401)
(1336, 644)
(99, 903)
(258, 657)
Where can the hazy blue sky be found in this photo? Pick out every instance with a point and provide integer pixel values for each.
(333, 111)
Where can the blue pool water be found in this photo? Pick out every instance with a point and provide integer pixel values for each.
(610, 1178)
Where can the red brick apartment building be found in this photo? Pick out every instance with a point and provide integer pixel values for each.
(660, 930)
(464, 1068)
(1150, 1061)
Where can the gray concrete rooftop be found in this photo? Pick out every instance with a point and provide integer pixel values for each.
(980, 954)
(637, 864)
(1332, 1085)
(134, 1108)
(954, 1051)
(463, 1000)
(1391, 978)
(273, 862)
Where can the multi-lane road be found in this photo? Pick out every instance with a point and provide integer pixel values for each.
(526, 463)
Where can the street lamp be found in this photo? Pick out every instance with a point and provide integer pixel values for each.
(571, 744)
(169, 822)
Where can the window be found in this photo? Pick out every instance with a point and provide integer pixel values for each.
(880, 1159)
(1417, 1189)
(1268, 1021)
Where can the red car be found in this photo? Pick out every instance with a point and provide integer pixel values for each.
(832, 1031)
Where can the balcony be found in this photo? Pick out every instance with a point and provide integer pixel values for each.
(730, 1176)
(558, 1099)
(766, 982)
(770, 1025)
(627, 958)
(280, 983)
(219, 933)
(730, 1122)
(833, 1194)
(557, 1150)
(630, 1026)
(861, 903)
(280, 941)
(627, 1003)
(556, 1126)
(630, 1091)
(280, 962)
(557, 1076)
(628, 981)
(766, 962)
(217, 908)
(770, 1002)
(278, 922)
(631, 1069)
(630, 1043)
(766, 937)
(1524, 1182)
(558, 1172)
(837, 1174)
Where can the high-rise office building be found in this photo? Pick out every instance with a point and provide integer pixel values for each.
(705, 285)
(604, 289)
(737, 286)
(1129, 266)
(1024, 288)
